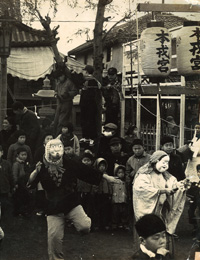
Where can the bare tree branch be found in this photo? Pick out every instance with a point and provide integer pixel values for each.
(127, 16)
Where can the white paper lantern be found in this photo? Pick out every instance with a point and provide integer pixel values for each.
(155, 46)
(188, 50)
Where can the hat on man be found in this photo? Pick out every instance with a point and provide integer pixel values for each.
(89, 69)
(149, 225)
(112, 71)
(166, 139)
(110, 126)
(137, 141)
(115, 140)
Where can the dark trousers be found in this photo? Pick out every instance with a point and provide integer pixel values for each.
(103, 210)
(91, 112)
(112, 113)
(120, 214)
(22, 201)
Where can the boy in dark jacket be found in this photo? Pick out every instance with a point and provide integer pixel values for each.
(21, 171)
(152, 232)
(175, 163)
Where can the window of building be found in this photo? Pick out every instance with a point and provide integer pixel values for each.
(85, 59)
(109, 54)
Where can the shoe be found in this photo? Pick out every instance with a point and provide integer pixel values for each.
(91, 143)
(40, 213)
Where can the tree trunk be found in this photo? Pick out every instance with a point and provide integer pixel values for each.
(98, 39)
(98, 44)
(98, 58)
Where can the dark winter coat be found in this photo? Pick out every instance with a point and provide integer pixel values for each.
(64, 198)
(5, 177)
(142, 256)
(175, 167)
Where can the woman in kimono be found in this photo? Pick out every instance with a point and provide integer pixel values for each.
(157, 191)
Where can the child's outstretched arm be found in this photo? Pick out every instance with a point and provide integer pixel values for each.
(111, 179)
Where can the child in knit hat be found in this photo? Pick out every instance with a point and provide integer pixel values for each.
(103, 197)
(152, 233)
(119, 199)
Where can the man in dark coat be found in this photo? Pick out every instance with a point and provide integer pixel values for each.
(91, 107)
(28, 122)
(112, 93)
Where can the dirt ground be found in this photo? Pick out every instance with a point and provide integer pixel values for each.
(25, 239)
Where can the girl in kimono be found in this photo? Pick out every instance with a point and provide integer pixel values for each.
(157, 191)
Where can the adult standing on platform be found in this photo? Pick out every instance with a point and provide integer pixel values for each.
(91, 106)
(112, 92)
(65, 91)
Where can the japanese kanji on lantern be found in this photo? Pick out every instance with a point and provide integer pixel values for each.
(188, 49)
(155, 46)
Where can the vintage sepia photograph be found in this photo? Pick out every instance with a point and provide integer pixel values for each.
(100, 130)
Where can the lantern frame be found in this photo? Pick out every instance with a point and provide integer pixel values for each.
(5, 35)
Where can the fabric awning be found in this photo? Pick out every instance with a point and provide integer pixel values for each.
(30, 63)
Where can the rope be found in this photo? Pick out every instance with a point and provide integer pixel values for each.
(186, 128)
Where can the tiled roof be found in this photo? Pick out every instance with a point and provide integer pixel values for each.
(128, 31)
(85, 46)
(25, 36)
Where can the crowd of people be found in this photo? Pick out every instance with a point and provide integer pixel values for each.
(117, 186)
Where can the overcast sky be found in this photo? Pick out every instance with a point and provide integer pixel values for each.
(73, 19)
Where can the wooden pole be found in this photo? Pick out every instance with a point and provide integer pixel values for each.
(132, 104)
(158, 121)
(3, 95)
(182, 115)
(138, 114)
(122, 102)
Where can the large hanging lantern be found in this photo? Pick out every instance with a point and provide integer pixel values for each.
(155, 46)
(188, 49)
